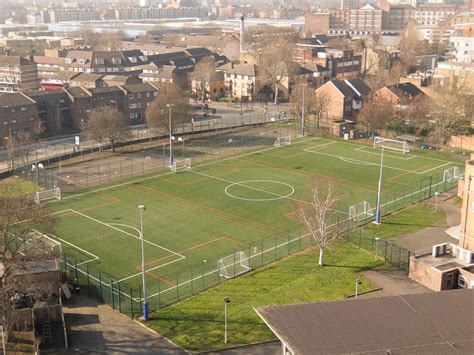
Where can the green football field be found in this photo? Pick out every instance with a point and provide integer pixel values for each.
(243, 203)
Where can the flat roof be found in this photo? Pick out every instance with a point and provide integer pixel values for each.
(431, 323)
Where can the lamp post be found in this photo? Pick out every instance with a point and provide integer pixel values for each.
(358, 283)
(241, 109)
(436, 200)
(169, 128)
(226, 301)
(141, 208)
(181, 139)
(376, 239)
(377, 213)
(302, 113)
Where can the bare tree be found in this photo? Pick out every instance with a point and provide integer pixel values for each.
(316, 215)
(157, 115)
(375, 114)
(20, 146)
(296, 98)
(105, 123)
(202, 75)
(19, 216)
(320, 105)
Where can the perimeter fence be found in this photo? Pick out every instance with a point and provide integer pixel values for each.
(206, 274)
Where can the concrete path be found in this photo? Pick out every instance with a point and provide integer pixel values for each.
(97, 329)
(421, 242)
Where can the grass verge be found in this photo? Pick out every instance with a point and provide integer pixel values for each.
(197, 323)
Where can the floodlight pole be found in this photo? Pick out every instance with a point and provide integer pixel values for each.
(141, 208)
(302, 114)
(377, 213)
(169, 128)
(376, 239)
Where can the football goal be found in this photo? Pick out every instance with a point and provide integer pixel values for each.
(452, 174)
(392, 144)
(35, 243)
(233, 265)
(280, 141)
(48, 195)
(360, 211)
(181, 164)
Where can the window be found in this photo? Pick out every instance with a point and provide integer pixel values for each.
(132, 106)
(148, 104)
(131, 96)
(13, 110)
(116, 60)
(81, 61)
(99, 61)
(132, 115)
(148, 94)
(5, 123)
(139, 105)
(155, 93)
(139, 95)
(68, 60)
(13, 121)
(24, 108)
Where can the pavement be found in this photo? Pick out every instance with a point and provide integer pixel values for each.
(421, 242)
(95, 328)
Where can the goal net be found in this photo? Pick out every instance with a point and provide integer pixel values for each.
(36, 243)
(393, 144)
(181, 164)
(48, 195)
(280, 141)
(233, 265)
(452, 174)
(360, 211)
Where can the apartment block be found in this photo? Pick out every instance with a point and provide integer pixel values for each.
(17, 74)
(17, 113)
(367, 19)
(463, 49)
(316, 23)
(434, 14)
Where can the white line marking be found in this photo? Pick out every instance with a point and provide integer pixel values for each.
(405, 156)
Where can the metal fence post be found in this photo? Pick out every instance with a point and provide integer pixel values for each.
(118, 298)
(131, 303)
(177, 286)
(88, 280)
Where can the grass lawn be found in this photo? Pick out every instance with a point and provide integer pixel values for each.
(408, 220)
(21, 186)
(197, 323)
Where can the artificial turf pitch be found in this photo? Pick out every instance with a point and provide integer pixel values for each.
(241, 203)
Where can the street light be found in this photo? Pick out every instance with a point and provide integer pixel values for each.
(377, 213)
(302, 113)
(226, 300)
(141, 208)
(376, 248)
(358, 283)
(169, 127)
(436, 200)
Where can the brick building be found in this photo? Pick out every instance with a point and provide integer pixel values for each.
(17, 74)
(450, 265)
(316, 23)
(137, 98)
(367, 19)
(17, 113)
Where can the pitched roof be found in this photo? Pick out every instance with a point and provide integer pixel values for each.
(15, 99)
(430, 323)
(78, 92)
(87, 77)
(244, 69)
(136, 88)
(405, 90)
(342, 87)
(358, 87)
(13, 60)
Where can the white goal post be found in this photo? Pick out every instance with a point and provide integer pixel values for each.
(361, 211)
(392, 144)
(35, 242)
(451, 174)
(181, 164)
(282, 141)
(233, 265)
(48, 195)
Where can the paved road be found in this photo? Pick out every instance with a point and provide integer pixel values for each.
(97, 329)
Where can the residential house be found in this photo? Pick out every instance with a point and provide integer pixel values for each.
(214, 87)
(342, 63)
(243, 81)
(137, 98)
(345, 98)
(403, 94)
(53, 109)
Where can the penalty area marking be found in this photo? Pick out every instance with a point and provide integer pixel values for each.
(74, 246)
(277, 196)
(355, 161)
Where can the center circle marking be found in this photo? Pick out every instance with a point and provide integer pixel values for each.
(276, 196)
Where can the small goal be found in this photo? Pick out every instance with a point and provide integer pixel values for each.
(37, 243)
(392, 144)
(361, 211)
(451, 175)
(48, 195)
(280, 141)
(181, 164)
(233, 265)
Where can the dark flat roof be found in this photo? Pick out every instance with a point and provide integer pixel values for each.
(432, 323)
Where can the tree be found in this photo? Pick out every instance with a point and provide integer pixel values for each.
(100, 41)
(19, 216)
(276, 63)
(105, 123)
(375, 114)
(410, 46)
(320, 105)
(316, 214)
(296, 98)
(157, 114)
(202, 75)
(20, 145)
